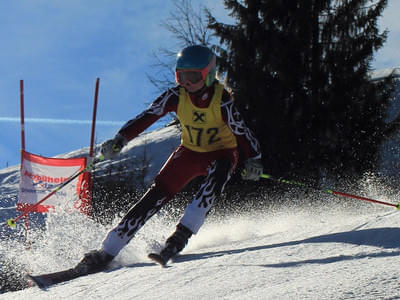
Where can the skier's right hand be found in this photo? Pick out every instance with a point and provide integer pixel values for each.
(110, 148)
(253, 169)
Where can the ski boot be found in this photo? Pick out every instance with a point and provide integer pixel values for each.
(174, 244)
(93, 262)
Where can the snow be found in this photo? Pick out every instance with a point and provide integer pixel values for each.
(384, 73)
(285, 254)
(310, 246)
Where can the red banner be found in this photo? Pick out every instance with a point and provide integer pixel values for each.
(42, 175)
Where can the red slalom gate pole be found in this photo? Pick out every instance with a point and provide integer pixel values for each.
(22, 117)
(96, 96)
(266, 176)
(21, 89)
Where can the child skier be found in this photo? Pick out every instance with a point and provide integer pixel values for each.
(212, 128)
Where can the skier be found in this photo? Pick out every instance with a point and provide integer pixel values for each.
(212, 128)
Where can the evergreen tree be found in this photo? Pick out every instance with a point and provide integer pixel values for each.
(299, 74)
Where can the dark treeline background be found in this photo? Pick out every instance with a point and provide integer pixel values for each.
(299, 74)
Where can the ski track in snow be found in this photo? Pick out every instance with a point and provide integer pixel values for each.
(283, 254)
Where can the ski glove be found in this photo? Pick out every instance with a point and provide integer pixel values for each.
(110, 148)
(252, 169)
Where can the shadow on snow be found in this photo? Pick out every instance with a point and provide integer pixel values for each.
(386, 238)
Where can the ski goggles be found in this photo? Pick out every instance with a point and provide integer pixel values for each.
(193, 76)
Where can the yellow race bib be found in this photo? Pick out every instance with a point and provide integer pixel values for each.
(203, 129)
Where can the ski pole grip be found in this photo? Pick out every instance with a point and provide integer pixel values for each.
(11, 223)
(98, 159)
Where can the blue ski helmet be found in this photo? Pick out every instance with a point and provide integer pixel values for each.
(197, 58)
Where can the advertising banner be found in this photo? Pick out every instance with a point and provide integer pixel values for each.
(42, 175)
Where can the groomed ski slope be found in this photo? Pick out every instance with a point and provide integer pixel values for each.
(332, 251)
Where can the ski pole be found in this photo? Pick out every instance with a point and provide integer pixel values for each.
(267, 176)
(12, 222)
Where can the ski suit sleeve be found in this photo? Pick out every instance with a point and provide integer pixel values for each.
(166, 102)
(244, 136)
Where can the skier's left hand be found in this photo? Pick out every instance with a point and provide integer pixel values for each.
(112, 147)
(252, 169)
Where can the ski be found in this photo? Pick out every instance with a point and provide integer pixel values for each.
(44, 281)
